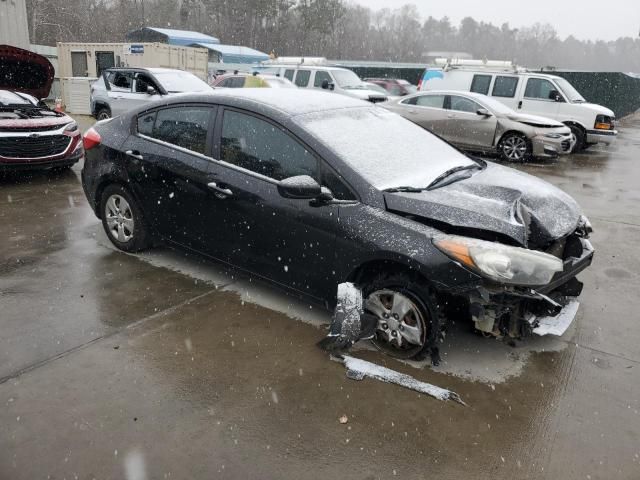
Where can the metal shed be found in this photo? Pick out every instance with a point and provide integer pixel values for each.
(168, 35)
(219, 53)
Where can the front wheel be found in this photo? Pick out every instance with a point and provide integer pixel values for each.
(407, 319)
(103, 113)
(123, 221)
(580, 138)
(514, 147)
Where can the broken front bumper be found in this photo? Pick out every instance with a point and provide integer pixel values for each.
(519, 312)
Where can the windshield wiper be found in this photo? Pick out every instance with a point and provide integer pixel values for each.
(451, 175)
(404, 190)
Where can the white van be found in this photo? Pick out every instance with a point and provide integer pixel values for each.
(314, 73)
(529, 92)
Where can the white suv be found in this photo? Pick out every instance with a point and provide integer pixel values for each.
(121, 89)
(529, 92)
(335, 79)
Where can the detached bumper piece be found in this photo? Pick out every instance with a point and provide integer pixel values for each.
(349, 323)
(555, 325)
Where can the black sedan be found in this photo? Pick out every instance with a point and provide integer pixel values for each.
(311, 190)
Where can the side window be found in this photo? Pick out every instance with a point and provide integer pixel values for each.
(237, 82)
(505, 87)
(410, 101)
(261, 147)
(302, 78)
(121, 81)
(433, 101)
(320, 77)
(185, 127)
(142, 82)
(462, 104)
(334, 183)
(145, 123)
(539, 89)
(480, 84)
(288, 74)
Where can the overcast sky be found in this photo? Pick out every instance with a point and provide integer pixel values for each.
(584, 19)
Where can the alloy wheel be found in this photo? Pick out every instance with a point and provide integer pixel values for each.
(119, 218)
(401, 327)
(514, 148)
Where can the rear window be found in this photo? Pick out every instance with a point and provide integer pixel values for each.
(480, 84)
(433, 101)
(505, 87)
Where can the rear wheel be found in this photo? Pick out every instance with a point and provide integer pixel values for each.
(580, 135)
(407, 320)
(103, 113)
(514, 147)
(123, 221)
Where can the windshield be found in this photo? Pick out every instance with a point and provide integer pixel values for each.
(569, 91)
(386, 149)
(11, 98)
(174, 82)
(347, 79)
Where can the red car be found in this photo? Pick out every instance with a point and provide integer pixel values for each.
(31, 134)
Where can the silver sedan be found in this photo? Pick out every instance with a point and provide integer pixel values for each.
(477, 123)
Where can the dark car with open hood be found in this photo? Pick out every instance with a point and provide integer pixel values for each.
(311, 190)
(31, 134)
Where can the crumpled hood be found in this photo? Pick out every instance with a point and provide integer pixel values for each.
(498, 199)
(535, 120)
(25, 72)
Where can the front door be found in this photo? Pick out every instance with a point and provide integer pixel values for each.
(289, 241)
(539, 98)
(465, 127)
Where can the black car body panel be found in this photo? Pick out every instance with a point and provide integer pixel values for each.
(499, 200)
(236, 216)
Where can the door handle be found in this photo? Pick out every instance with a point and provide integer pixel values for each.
(134, 154)
(412, 111)
(224, 192)
(451, 115)
(520, 104)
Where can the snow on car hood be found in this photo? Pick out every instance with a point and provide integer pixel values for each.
(498, 199)
(25, 72)
(535, 120)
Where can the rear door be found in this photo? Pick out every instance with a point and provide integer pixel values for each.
(505, 89)
(119, 91)
(168, 161)
(426, 110)
(286, 240)
(465, 127)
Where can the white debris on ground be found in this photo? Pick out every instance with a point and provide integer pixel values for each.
(358, 369)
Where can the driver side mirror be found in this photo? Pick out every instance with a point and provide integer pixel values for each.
(301, 187)
(151, 90)
(555, 96)
(484, 112)
(326, 85)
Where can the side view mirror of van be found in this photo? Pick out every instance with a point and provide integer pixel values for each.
(326, 85)
(555, 96)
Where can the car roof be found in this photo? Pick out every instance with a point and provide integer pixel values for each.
(144, 69)
(309, 67)
(290, 102)
(479, 96)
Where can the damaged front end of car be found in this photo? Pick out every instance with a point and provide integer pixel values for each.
(524, 291)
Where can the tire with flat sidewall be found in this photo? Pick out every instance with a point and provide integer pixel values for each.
(141, 238)
(421, 294)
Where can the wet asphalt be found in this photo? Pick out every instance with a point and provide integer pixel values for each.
(163, 365)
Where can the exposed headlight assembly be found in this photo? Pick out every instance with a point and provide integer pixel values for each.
(501, 263)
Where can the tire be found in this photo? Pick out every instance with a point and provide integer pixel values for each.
(416, 333)
(103, 113)
(123, 221)
(514, 147)
(580, 138)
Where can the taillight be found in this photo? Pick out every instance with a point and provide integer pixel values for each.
(91, 139)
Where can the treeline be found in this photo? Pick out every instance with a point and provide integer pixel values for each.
(334, 29)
